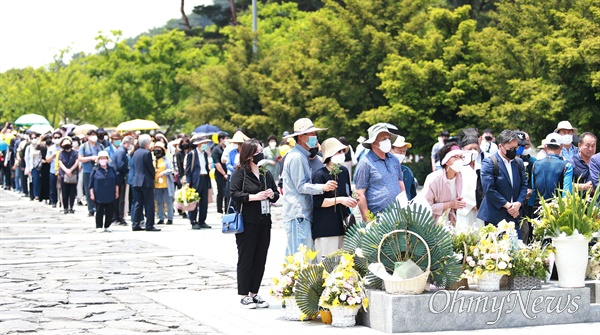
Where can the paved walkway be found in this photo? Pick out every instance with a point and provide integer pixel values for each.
(58, 276)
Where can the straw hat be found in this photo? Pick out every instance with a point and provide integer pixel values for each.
(303, 126)
(331, 146)
(565, 125)
(66, 139)
(160, 145)
(196, 139)
(239, 138)
(401, 142)
(102, 153)
(376, 130)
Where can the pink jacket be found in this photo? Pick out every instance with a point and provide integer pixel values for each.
(437, 191)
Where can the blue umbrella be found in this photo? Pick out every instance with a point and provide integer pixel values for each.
(207, 129)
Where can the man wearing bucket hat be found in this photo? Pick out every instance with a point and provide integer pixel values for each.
(196, 175)
(298, 188)
(378, 177)
(566, 131)
(552, 173)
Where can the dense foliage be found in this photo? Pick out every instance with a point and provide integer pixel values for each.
(423, 65)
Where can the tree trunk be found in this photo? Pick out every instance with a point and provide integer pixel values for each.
(184, 18)
(233, 15)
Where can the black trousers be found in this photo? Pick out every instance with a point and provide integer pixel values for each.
(69, 193)
(199, 214)
(119, 212)
(253, 246)
(143, 197)
(221, 181)
(104, 212)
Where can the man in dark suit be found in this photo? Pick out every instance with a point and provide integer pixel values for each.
(196, 175)
(121, 165)
(220, 171)
(504, 183)
(143, 184)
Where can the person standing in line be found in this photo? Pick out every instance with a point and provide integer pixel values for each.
(581, 162)
(143, 185)
(399, 149)
(103, 191)
(88, 152)
(595, 170)
(298, 189)
(252, 191)
(504, 183)
(220, 171)
(551, 176)
(185, 146)
(196, 175)
(121, 165)
(69, 167)
(33, 168)
(51, 154)
(273, 156)
(443, 136)
(332, 207)
(164, 187)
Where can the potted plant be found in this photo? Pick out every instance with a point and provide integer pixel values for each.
(593, 269)
(529, 266)
(571, 220)
(186, 198)
(344, 293)
(491, 258)
(284, 285)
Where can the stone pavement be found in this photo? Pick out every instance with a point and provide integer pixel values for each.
(58, 276)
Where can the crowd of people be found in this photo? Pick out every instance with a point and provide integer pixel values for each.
(476, 178)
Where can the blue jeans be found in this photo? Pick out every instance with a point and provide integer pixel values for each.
(18, 177)
(298, 232)
(162, 196)
(37, 183)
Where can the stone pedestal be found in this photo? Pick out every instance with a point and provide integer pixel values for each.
(594, 286)
(463, 310)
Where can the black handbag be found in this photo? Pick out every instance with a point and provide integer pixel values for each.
(233, 223)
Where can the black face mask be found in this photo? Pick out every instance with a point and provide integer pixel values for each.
(48, 142)
(158, 153)
(313, 152)
(185, 146)
(512, 153)
(101, 138)
(258, 157)
(67, 147)
(488, 138)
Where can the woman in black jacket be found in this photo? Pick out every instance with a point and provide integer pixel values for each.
(252, 190)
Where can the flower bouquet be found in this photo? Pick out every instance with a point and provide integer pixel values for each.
(344, 293)
(593, 269)
(529, 266)
(186, 198)
(462, 241)
(491, 257)
(284, 285)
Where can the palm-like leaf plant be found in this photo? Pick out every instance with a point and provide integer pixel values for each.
(444, 268)
(308, 290)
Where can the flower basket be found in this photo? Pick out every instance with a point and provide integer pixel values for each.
(292, 311)
(344, 316)
(414, 285)
(186, 199)
(489, 282)
(524, 283)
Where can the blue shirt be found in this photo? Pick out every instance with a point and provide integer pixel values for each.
(581, 171)
(104, 183)
(297, 186)
(88, 150)
(380, 179)
(595, 169)
(568, 153)
(231, 160)
(550, 173)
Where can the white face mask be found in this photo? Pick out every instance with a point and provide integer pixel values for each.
(441, 139)
(35, 141)
(338, 159)
(93, 138)
(400, 157)
(385, 146)
(471, 156)
(272, 145)
(567, 139)
(236, 146)
(526, 152)
(75, 145)
(457, 165)
(56, 140)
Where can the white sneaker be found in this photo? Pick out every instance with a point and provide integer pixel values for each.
(99, 230)
(248, 303)
(259, 302)
(107, 230)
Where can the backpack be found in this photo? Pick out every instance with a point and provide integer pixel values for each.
(496, 167)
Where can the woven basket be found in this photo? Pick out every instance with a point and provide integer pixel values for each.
(344, 316)
(292, 311)
(489, 282)
(414, 285)
(524, 283)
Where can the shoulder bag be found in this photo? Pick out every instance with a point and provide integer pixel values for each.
(233, 223)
